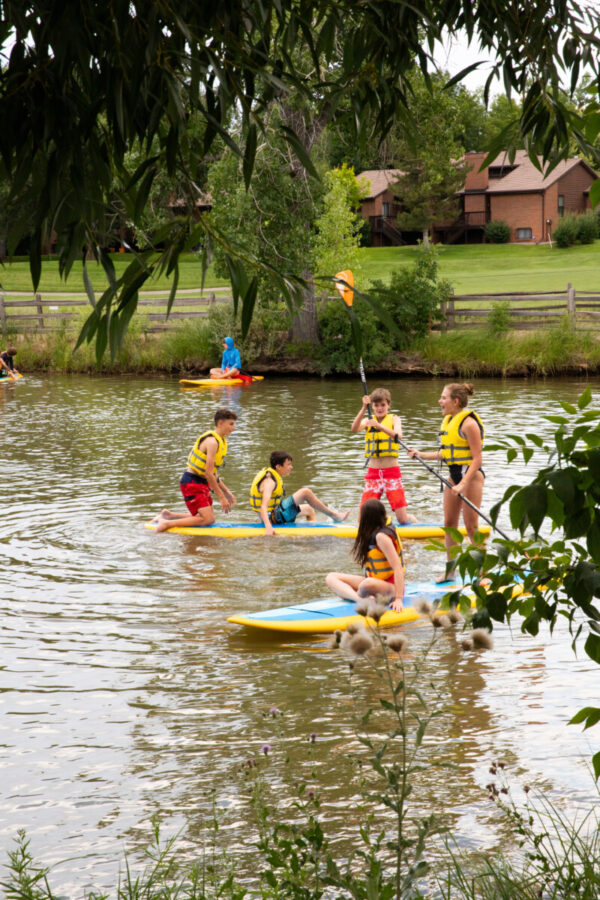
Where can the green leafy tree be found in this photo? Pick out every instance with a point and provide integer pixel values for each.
(86, 83)
(338, 227)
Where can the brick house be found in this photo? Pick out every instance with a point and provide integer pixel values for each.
(381, 207)
(517, 193)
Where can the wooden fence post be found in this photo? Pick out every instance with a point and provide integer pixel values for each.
(443, 311)
(40, 309)
(571, 303)
(451, 319)
(2, 313)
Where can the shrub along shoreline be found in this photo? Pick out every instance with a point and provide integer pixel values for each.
(190, 351)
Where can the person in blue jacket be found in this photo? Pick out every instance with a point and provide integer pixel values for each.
(231, 362)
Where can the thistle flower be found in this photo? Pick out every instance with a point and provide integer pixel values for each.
(445, 621)
(360, 644)
(397, 642)
(466, 644)
(313, 737)
(353, 628)
(375, 610)
(436, 621)
(274, 712)
(265, 749)
(362, 607)
(423, 607)
(335, 639)
(482, 639)
(454, 616)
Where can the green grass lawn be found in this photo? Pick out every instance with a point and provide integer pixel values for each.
(474, 268)
(15, 276)
(493, 268)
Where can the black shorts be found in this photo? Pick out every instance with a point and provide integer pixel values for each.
(456, 472)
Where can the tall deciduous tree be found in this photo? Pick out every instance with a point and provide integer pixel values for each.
(86, 81)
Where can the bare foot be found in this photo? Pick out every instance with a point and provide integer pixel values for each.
(341, 516)
(450, 576)
(163, 522)
(406, 519)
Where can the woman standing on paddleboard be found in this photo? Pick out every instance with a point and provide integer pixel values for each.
(461, 437)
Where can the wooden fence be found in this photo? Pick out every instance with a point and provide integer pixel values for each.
(20, 312)
(519, 310)
(523, 310)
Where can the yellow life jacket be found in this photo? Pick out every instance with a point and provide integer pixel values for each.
(378, 443)
(197, 458)
(455, 447)
(377, 565)
(278, 491)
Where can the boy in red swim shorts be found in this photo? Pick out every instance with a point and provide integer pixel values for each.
(201, 478)
(381, 450)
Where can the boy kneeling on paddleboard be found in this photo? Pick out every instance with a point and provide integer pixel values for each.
(201, 478)
(267, 496)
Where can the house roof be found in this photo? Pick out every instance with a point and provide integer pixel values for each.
(523, 176)
(379, 179)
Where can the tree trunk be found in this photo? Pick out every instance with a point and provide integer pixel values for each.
(304, 327)
(426, 236)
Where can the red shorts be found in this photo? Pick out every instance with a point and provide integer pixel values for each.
(196, 496)
(378, 481)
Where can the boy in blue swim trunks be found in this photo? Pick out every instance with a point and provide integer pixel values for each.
(267, 496)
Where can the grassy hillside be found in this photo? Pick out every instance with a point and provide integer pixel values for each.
(491, 268)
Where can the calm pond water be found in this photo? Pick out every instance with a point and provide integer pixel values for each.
(124, 694)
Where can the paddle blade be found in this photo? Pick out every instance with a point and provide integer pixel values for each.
(345, 285)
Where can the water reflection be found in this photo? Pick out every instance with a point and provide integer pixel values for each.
(123, 692)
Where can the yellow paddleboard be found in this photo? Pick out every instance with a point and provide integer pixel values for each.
(213, 382)
(305, 529)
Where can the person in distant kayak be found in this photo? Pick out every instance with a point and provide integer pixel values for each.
(378, 549)
(267, 496)
(381, 450)
(231, 361)
(201, 478)
(461, 437)
(7, 363)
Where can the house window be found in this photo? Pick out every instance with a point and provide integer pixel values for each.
(523, 234)
(561, 204)
(385, 209)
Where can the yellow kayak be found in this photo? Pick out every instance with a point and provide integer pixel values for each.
(212, 382)
(416, 532)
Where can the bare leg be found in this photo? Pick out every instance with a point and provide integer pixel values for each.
(308, 511)
(403, 516)
(204, 516)
(345, 586)
(372, 586)
(305, 495)
(216, 373)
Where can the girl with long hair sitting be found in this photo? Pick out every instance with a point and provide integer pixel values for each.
(378, 549)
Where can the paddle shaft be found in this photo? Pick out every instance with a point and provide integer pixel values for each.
(450, 485)
(363, 378)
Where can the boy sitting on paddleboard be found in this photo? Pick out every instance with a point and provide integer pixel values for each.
(201, 478)
(267, 496)
(231, 361)
(381, 449)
